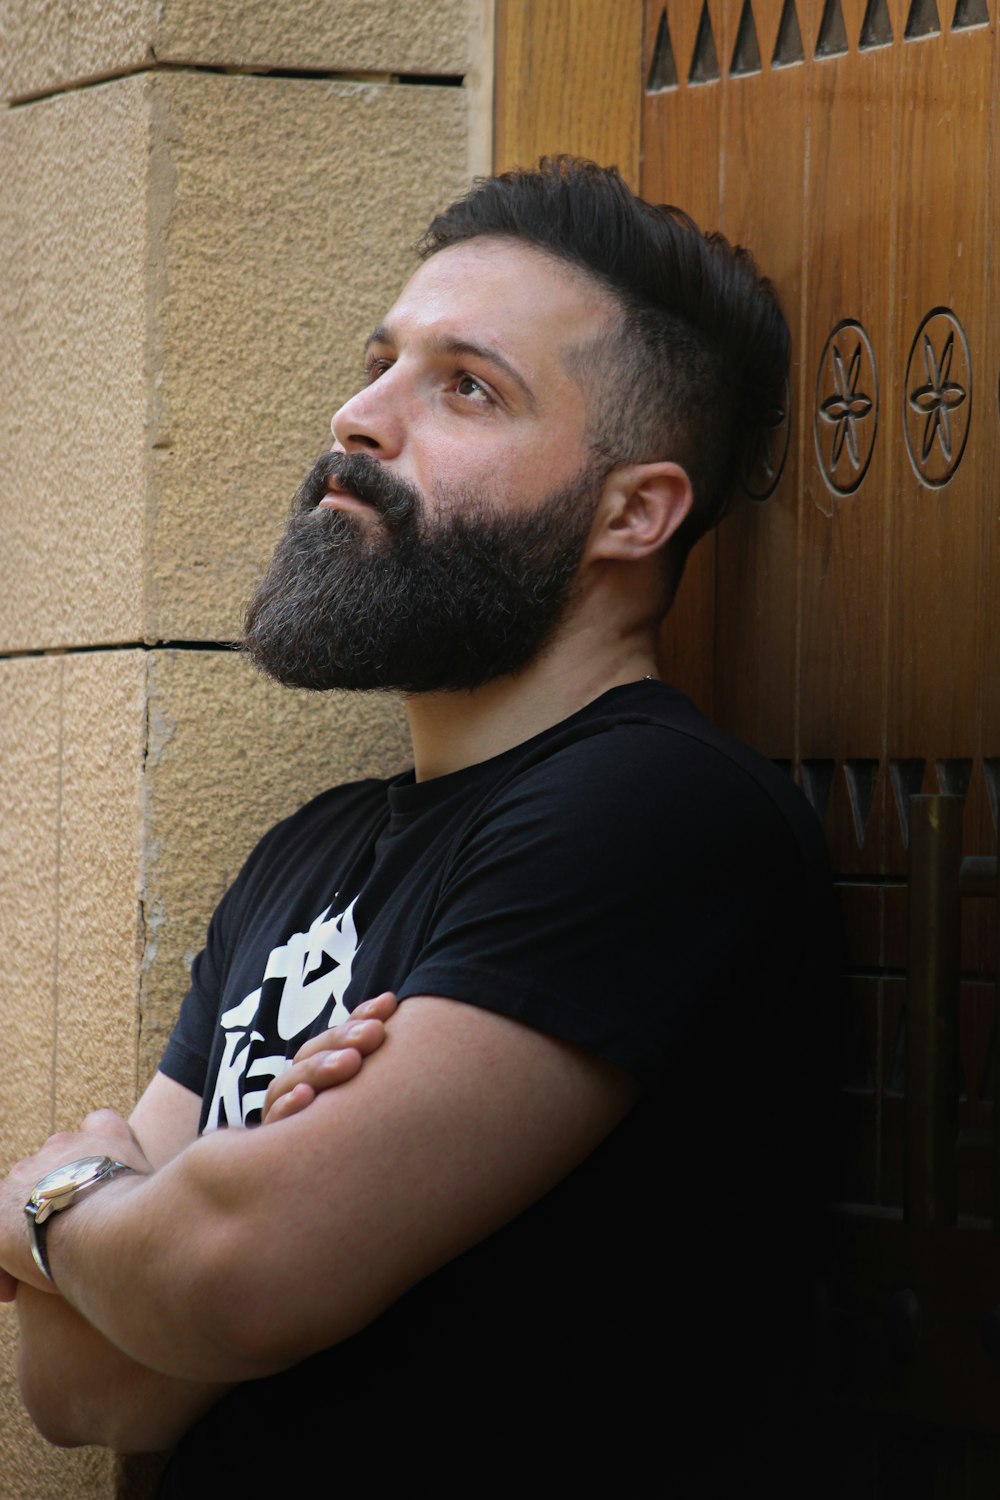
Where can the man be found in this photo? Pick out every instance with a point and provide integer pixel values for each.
(537, 1232)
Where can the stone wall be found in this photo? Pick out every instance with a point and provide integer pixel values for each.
(203, 211)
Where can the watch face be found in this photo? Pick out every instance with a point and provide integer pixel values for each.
(65, 1179)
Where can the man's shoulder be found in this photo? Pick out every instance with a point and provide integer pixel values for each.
(647, 747)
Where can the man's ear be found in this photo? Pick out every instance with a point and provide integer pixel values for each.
(641, 507)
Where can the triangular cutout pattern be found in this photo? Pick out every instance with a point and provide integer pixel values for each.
(954, 777)
(923, 19)
(970, 13)
(788, 48)
(663, 69)
(746, 53)
(876, 28)
(907, 777)
(817, 779)
(862, 779)
(832, 39)
(705, 61)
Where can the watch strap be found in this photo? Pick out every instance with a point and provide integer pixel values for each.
(38, 1226)
(36, 1240)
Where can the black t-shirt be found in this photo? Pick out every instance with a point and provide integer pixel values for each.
(631, 880)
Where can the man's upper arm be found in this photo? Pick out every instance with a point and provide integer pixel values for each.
(165, 1120)
(259, 1247)
(460, 1122)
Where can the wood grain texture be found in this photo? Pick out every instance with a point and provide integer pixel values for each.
(682, 153)
(568, 79)
(762, 206)
(843, 537)
(937, 599)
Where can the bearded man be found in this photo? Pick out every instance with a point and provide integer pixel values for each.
(546, 1234)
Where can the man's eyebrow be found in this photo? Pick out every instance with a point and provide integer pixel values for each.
(462, 349)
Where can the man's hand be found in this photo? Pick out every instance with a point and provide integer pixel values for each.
(102, 1133)
(328, 1059)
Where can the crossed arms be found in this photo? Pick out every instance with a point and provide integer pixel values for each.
(167, 1277)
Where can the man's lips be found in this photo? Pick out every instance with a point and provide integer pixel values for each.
(341, 499)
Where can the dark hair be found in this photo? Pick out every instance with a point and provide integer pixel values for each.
(695, 367)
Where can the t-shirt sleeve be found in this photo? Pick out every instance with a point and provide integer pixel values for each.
(186, 1056)
(625, 894)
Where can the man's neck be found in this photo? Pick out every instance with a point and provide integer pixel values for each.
(452, 730)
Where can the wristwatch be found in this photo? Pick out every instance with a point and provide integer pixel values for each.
(57, 1190)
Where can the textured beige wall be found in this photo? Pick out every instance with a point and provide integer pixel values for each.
(186, 271)
(73, 252)
(71, 740)
(189, 262)
(48, 43)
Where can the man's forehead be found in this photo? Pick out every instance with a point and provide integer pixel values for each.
(499, 294)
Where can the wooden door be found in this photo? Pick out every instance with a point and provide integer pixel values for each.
(846, 619)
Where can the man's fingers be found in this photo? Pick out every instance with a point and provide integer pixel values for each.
(292, 1090)
(328, 1059)
(8, 1287)
(364, 1036)
(289, 1104)
(381, 1007)
(357, 1032)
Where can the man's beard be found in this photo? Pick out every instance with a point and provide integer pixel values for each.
(401, 602)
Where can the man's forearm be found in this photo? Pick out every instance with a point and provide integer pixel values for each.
(252, 1249)
(78, 1388)
(154, 1263)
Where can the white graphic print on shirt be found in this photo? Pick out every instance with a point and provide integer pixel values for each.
(316, 968)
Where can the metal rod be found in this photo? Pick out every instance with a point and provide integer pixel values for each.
(930, 1191)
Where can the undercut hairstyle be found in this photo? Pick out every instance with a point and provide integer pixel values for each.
(695, 367)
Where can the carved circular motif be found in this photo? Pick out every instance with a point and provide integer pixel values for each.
(845, 419)
(937, 397)
(765, 463)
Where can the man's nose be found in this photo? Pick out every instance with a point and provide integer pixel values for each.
(370, 422)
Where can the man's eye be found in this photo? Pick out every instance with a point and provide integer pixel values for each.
(468, 385)
(375, 367)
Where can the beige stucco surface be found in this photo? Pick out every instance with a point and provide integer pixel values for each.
(62, 831)
(190, 265)
(48, 43)
(73, 249)
(30, 711)
(72, 746)
(228, 754)
(101, 838)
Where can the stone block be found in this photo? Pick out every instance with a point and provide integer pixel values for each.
(73, 255)
(46, 44)
(228, 754)
(190, 263)
(30, 731)
(100, 861)
(54, 767)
